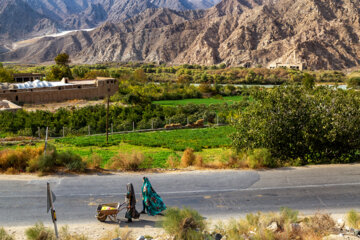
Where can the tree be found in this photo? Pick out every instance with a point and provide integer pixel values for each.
(353, 82)
(301, 127)
(308, 81)
(58, 72)
(62, 59)
(5, 75)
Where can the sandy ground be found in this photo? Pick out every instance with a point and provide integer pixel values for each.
(109, 230)
(95, 231)
(52, 107)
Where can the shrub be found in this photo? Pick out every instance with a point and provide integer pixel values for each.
(188, 158)
(199, 161)
(125, 161)
(353, 219)
(261, 157)
(294, 124)
(39, 232)
(71, 161)
(172, 162)
(53, 159)
(94, 161)
(186, 224)
(66, 235)
(123, 234)
(353, 82)
(4, 235)
(18, 159)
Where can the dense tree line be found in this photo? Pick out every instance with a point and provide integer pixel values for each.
(27, 123)
(300, 125)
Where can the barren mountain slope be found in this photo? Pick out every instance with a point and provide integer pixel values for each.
(321, 33)
(25, 20)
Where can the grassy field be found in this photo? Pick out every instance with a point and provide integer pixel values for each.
(206, 101)
(176, 140)
(211, 143)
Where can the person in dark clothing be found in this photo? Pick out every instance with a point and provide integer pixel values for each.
(131, 203)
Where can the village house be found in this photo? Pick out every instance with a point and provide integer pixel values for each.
(38, 91)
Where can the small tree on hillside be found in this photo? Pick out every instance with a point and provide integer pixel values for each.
(61, 69)
(62, 59)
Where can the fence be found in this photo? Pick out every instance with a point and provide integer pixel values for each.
(122, 127)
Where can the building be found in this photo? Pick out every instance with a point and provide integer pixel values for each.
(297, 66)
(26, 77)
(6, 105)
(45, 92)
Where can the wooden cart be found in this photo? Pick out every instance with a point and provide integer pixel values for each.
(109, 210)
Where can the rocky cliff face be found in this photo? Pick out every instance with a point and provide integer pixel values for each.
(321, 33)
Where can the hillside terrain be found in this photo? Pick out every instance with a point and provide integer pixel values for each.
(23, 19)
(321, 34)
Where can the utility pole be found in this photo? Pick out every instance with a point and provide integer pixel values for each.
(46, 139)
(107, 119)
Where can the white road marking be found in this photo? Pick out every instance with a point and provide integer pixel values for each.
(200, 191)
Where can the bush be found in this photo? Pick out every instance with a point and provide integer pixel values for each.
(94, 161)
(17, 160)
(260, 157)
(353, 219)
(125, 161)
(186, 224)
(65, 235)
(301, 126)
(188, 158)
(172, 162)
(4, 235)
(353, 82)
(53, 159)
(39, 232)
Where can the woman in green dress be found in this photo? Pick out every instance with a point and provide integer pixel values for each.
(152, 202)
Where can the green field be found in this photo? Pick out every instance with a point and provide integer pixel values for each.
(206, 101)
(156, 146)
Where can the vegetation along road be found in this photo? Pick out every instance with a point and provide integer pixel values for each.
(215, 194)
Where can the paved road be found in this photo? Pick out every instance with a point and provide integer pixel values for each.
(334, 189)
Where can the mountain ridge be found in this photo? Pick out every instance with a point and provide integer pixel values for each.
(322, 34)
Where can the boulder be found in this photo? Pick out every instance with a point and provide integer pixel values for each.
(273, 227)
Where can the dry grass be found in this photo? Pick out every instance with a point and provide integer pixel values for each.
(4, 235)
(16, 160)
(172, 162)
(94, 161)
(188, 158)
(123, 234)
(199, 161)
(289, 226)
(124, 161)
(66, 235)
(353, 219)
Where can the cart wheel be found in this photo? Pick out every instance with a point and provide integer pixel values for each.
(101, 217)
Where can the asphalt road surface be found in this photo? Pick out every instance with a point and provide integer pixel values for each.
(215, 194)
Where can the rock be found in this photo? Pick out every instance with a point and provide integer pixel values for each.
(295, 227)
(117, 238)
(357, 232)
(340, 237)
(273, 227)
(340, 223)
(141, 238)
(218, 236)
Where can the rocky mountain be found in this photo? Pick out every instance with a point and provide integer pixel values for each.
(21, 19)
(322, 34)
